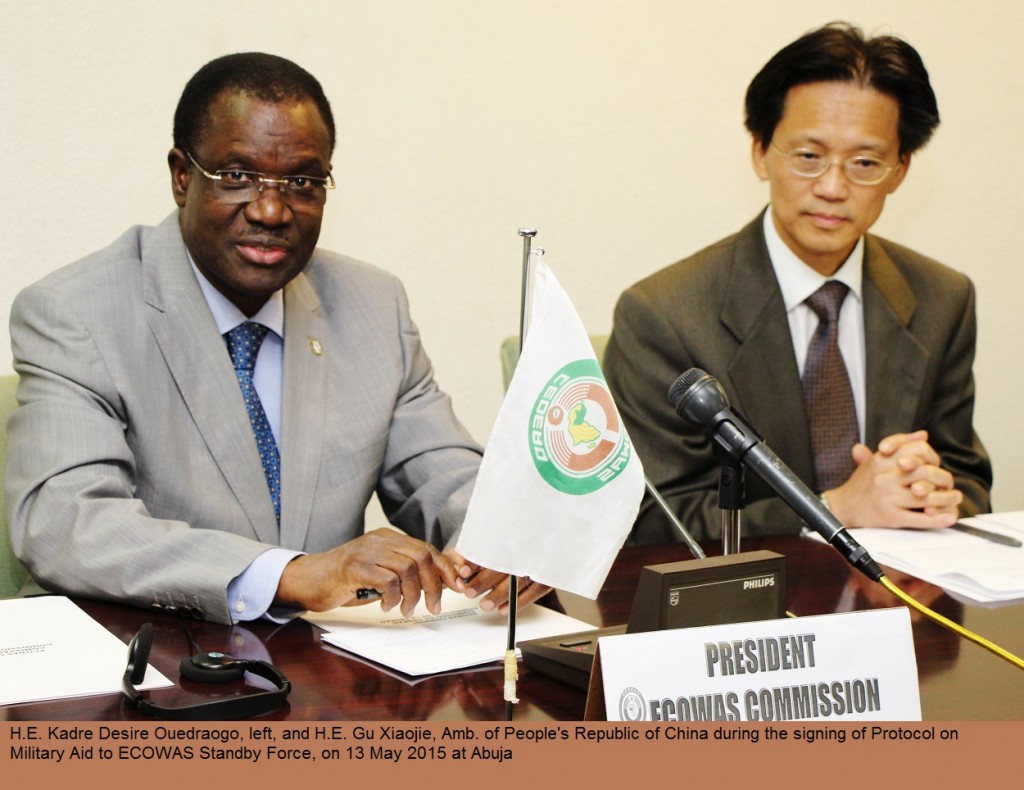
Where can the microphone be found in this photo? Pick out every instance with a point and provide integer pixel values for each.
(699, 399)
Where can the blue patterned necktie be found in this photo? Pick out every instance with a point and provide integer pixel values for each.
(243, 345)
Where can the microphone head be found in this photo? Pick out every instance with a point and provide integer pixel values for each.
(697, 397)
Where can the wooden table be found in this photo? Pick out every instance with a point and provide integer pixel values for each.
(959, 680)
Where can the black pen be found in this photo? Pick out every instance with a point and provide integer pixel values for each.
(366, 594)
(995, 537)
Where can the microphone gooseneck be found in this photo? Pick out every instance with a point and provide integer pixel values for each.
(699, 399)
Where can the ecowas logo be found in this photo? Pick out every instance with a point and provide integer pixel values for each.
(576, 440)
(631, 705)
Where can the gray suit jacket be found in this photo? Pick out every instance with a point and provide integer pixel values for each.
(722, 311)
(133, 473)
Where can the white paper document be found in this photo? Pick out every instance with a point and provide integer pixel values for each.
(967, 565)
(50, 649)
(461, 636)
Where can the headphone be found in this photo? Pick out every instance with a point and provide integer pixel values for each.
(204, 668)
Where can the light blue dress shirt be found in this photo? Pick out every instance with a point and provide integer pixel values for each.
(251, 593)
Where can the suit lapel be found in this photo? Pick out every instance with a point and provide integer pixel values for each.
(763, 373)
(896, 362)
(304, 407)
(197, 360)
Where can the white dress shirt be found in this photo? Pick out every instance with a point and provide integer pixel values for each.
(797, 281)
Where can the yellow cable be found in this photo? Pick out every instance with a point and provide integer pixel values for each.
(954, 627)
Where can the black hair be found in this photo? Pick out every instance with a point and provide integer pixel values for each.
(838, 52)
(265, 77)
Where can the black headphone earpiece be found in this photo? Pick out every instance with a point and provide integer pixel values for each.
(212, 668)
(139, 651)
(204, 668)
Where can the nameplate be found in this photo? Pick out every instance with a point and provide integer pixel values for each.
(858, 666)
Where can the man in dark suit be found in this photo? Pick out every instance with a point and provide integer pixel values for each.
(207, 406)
(865, 390)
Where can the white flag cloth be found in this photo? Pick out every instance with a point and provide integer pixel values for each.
(560, 484)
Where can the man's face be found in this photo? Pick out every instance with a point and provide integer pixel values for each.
(249, 250)
(822, 218)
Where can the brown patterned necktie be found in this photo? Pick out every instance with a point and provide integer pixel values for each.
(831, 413)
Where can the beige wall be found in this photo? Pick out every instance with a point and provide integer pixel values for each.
(613, 126)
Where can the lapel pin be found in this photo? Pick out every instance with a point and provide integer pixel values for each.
(315, 346)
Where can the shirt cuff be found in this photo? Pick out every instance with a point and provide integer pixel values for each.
(251, 593)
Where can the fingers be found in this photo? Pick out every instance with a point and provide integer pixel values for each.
(494, 585)
(890, 444)
(913, 454)
(464, 569)
(927, 486)
(527, 591)
(483, 580)
(921, 496)
(396, 565)
(861, 454)
(922, 519)
(532, 592)
(411, 566)
(904, 486)
(400, 568)
(915, 469)
(907, 451)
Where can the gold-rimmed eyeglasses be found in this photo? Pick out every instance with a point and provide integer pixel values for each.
(864, 169)
(243, 186)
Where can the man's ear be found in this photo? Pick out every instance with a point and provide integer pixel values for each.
(181, 174)
(899, 175)
(758, 154)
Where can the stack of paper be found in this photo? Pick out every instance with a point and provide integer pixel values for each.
(461, 636)
(968, 565)
(49, 648)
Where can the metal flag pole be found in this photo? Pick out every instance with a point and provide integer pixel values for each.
(511, 667)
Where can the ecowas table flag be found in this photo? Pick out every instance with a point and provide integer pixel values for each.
(560, 484)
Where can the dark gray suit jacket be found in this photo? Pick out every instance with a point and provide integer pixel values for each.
(722, 311)
(132, 470)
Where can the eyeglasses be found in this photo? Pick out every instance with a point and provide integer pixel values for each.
(863, 169)
(243, 186)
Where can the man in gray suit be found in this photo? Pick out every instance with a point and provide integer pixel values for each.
(870, 404)
(207, 406)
